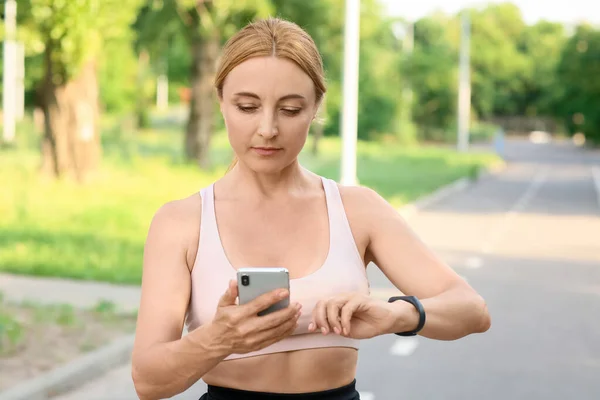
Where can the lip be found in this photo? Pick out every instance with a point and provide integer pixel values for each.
(266, 151)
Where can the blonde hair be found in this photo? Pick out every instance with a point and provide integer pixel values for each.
(272, 37)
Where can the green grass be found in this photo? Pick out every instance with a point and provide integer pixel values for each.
(21, 322)
(97, 231)
(11, 330)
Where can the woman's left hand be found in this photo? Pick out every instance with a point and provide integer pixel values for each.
(353, 315)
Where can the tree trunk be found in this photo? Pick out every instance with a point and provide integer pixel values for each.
(71, 144)
(201, 120)
(142, 104)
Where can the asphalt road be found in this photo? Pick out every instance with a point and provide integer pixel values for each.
(528, 240)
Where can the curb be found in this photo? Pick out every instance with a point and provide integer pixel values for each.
(73, 374)
(96, 363)
(447, 190)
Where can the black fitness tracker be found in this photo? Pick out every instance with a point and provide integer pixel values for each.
(415, 302)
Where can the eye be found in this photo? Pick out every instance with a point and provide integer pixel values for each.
(291, 111)
(247, 109)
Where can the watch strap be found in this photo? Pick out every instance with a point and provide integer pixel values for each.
(417, 304)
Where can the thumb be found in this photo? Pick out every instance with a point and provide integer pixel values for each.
(228, 298)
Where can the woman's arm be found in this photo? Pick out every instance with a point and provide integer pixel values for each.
(164, 363)
(453, 308)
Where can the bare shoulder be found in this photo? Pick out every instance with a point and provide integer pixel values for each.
(365, 203)
(179, 211)
(166, 278)
(367, 211)
(177, 223)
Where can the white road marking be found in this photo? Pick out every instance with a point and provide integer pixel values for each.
(504, 225)
(596, 177)
(474, 262)
(366, 396)
(411, 209)
(404, 346)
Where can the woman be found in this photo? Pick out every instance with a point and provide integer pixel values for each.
(270, 211)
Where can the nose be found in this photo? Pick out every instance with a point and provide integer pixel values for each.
(268, 126)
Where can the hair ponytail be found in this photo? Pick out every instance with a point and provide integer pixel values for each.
(233, 163)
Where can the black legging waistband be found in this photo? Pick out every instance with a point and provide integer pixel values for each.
(347, 392)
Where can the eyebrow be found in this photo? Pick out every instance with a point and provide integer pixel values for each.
(286, 97)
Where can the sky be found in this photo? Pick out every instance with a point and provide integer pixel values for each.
(566, 11)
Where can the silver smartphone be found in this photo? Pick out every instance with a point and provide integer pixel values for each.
(253, 282)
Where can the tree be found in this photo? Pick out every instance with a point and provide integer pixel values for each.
(542, 44)
(379, 78)
(205, 24)
(580, 97)
(498, 68)
(70, 36)
(433, 74)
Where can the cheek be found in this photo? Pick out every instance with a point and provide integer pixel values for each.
(295, 129)
(239, 127)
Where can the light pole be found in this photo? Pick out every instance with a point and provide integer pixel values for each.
(350, 92)
(9, 69)
(464, 85)
(162, 86)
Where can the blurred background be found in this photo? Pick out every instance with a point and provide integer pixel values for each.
(108, 111)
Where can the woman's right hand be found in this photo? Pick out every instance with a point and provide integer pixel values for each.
(239, 329)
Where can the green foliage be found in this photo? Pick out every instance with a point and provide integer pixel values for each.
(73, 32)
(498, 65)
(542, 44)
(99, 230)
(190, 19)
(432, 72)
(577, 69)
(11, 332)
(517, 70)
(105, 307)
(117, 72)
(378, 72)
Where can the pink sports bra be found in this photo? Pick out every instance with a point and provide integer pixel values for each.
(343, 271)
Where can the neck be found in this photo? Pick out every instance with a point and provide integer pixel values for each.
(291, 179)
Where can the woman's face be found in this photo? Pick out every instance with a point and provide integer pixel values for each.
(268, 104)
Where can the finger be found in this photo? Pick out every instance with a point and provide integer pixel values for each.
(279, 317)
(268, 337)
(229, 297)
(320, 316)
(347, 311)
(264, 301)
(333, 315)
